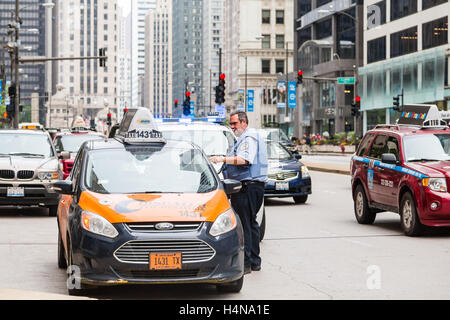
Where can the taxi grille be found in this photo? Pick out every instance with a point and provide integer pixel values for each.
(7, 174)
(151, 227)
(138, 251)
(164, 274)
(280, 176)
(25, 174)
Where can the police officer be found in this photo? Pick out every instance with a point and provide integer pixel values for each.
(247, 163)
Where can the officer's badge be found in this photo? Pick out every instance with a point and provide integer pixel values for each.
(244, 146)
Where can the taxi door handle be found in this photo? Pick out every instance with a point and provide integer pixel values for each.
(380, 169)
(365, 165)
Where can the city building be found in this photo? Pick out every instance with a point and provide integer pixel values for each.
(258, 49)
(157, 90)
(406, 49)
(139, 10)
(32, 38)
(124, 65)
(90, 89)
(328, 46)
(187, 49)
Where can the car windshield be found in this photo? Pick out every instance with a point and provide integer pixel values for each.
(274, 135)
(72, 143)
(427, 147)
(23, 144)
(149, 170)
(213, 142)
(275, 151)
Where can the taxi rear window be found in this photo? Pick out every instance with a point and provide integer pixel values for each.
(149, 170)
(364, 145)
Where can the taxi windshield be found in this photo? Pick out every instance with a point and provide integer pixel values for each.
(149, 170)
(22, 144)
(72, 143)
(275, 151)
(213, 142)
(427, 147)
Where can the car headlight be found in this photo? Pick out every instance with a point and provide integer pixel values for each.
(305, 172)
(48, 175)
(223, 224)
(98, 225)
(435, 184)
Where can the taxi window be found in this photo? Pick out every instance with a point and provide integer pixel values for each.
(72, 143)
(149, 170)
(378, 147)
(392, 147)
(364, 145)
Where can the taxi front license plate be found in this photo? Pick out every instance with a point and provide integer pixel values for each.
(165, 261)
(282, 186)
(15, 192)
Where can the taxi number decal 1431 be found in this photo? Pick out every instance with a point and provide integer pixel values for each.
(144, 134)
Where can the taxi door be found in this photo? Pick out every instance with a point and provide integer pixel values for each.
(375, 172)
(389, 177)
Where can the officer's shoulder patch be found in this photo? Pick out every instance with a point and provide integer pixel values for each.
(244, 146)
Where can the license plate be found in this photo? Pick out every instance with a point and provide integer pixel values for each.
(15, 192)
(282, 186)
(165, 261)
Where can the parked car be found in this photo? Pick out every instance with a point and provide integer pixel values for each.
(278, 135)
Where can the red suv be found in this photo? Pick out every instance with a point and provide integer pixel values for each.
(405, 168)
(68, 143)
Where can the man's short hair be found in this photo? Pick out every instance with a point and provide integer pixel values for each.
(242, 116)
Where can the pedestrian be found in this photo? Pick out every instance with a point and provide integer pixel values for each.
(247, 163)
(307, 144)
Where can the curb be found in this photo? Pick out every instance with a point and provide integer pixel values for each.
(338, 171)
(14, 294)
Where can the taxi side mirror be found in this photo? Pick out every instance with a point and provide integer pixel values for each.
(63, 187)
(297, 156)
(389, 158)
(231, 186)
(64, 155)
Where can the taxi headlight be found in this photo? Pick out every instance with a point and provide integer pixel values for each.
(98, 225)
(305, 172)
(48, 175)
(435, 184)
(223, 224)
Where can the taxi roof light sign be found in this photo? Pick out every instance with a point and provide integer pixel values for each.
(138, 126)
(421, 115)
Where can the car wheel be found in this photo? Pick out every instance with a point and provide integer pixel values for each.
(74, 288)
(262, 227)
(232, 287)
(52, 211)
(62, 262)
(300, 199)
(363, 214)
(408, 214)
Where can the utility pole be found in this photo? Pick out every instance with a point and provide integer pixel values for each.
(16, 66)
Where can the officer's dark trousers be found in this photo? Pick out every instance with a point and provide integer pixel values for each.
(246, 204)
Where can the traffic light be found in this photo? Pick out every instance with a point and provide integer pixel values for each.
(12, 91)
(176, 103)
(187, 104)
(108, 119)
(300, 77)
(102, 55)
(220, 90)
(356, 105)
(11, 109)
(396, 103)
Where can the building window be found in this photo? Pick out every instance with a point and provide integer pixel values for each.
(303, 36)
(279, 66)
(280, 16)
(266, 41)
(435, 33)
(322, 2)
(304, 6)
(280, 41)
(404, 42)
(266, 16)
(265, 66)
(402, 8)
(323, 29)
(376, 50)
(431, 3)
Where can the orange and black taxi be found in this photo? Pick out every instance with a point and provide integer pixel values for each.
(139, 209)
(405, 168)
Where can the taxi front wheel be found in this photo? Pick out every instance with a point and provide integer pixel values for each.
(232, 287)
(408, 214)
(363, 214)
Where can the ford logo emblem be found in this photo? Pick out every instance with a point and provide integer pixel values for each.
(164, 226)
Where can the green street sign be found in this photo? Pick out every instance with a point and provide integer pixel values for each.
(349, 80)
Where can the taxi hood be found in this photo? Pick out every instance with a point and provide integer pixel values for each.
(165, 207)
(433, 169)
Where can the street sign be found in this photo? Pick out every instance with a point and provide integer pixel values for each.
(347, 80)
(192, 108)
(250, 100)
(292, 94)
(220, 110)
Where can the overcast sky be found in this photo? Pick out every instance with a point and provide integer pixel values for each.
(125, 5)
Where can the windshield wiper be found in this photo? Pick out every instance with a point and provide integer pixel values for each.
(425, 160)
(25, 154)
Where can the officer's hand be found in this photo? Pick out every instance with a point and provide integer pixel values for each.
(216, 159)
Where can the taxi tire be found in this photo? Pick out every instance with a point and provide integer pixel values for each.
(368, 215)
(84, 289)
(52, 211)
(300, 199)
(262, 227)
(231, 287)
(62, 262)
(415, 228)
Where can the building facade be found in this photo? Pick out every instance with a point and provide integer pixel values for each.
(158, 60)
(258, 50)
(406, 48)
(124, 65)
(328, 46)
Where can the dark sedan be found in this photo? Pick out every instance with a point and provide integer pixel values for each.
(288, 177)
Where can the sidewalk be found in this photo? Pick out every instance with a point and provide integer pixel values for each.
(12, 294)
(330, 168)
